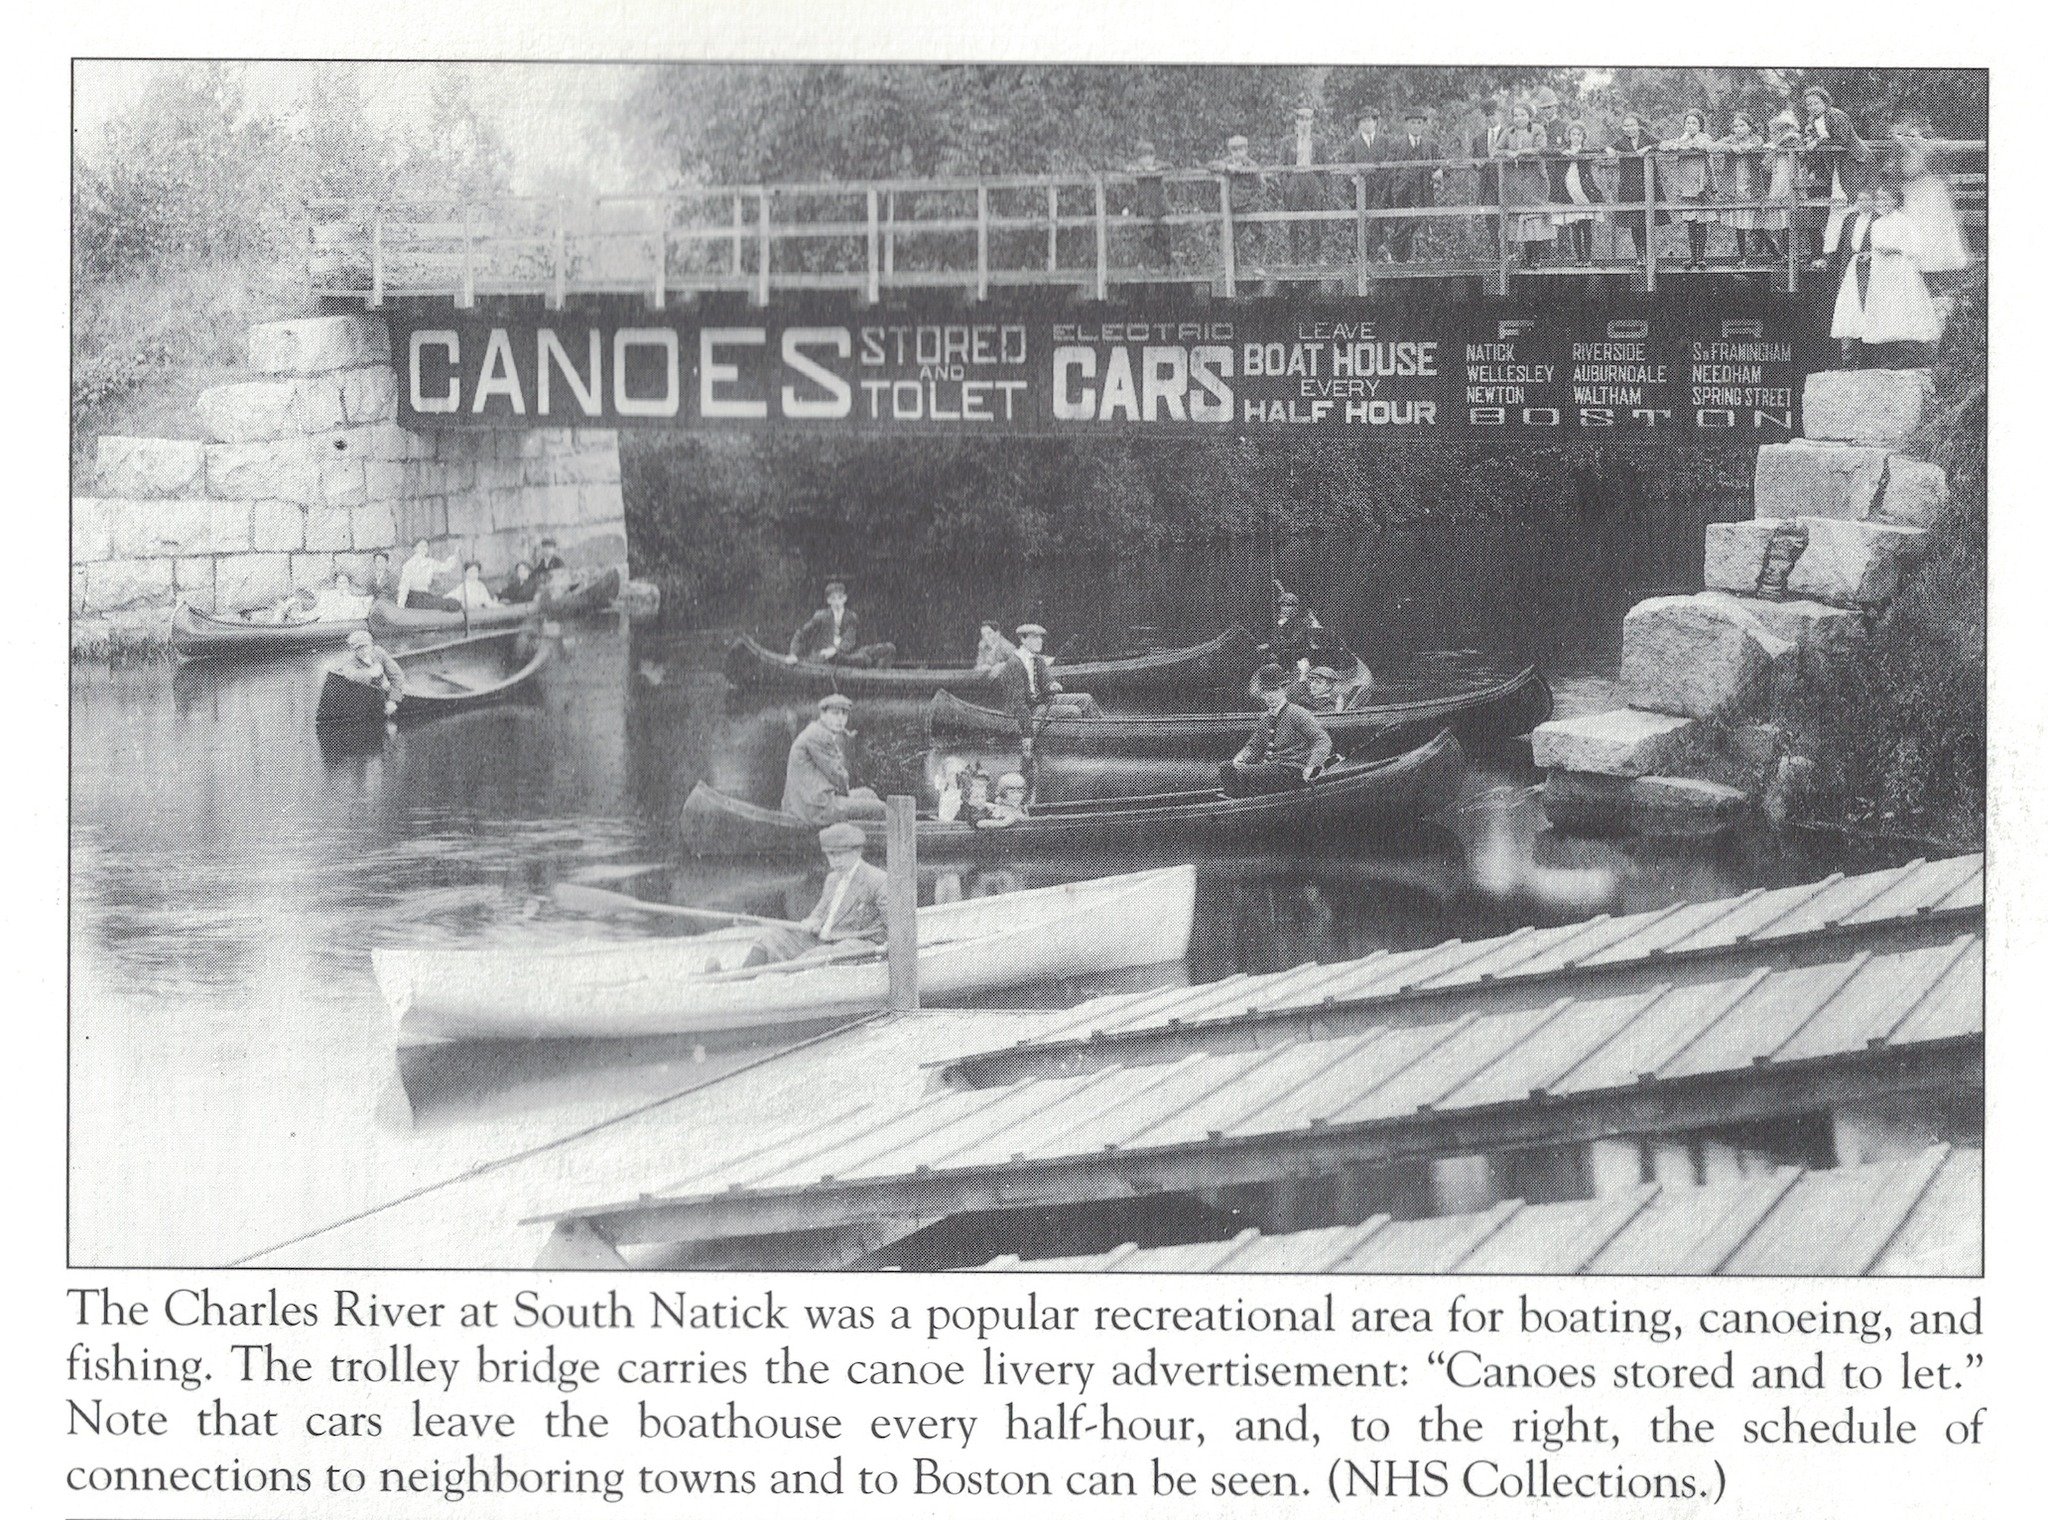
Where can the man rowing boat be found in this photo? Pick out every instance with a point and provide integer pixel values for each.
(852, 907)
(1288, 749)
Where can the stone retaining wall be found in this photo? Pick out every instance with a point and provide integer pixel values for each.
(1840, 519)
(308, 469)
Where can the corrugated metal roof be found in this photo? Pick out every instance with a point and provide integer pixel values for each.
(1918, 1216)
(1841, 906)
(1566, 1048)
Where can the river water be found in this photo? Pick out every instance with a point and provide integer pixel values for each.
(234, 1078)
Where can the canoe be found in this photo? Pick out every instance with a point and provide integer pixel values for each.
(439, 678)
(592, 594)
(1225, 657)
(201, 635)
(1401, 790)
(600, 989)
(1480, 718)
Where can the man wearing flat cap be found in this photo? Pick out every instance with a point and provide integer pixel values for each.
(854, 902)
(817, 783)
(1026, 682)
(833, 635)
(852, 906)
(1316, 691)
(1288, 749)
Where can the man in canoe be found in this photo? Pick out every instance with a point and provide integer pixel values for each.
(1299, 638)
(1029, 692)
(547, 559)
(833, 634)
(416, 579)
(817, 783)
(1288, 749)
(852, 906)
(367, 662)
(382, 582)
(1316, 691)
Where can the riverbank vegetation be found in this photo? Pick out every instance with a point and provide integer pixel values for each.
(1902, 722)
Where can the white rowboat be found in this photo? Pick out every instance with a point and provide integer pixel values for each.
(607, 989)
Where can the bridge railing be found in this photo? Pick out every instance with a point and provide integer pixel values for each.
(1090, 233)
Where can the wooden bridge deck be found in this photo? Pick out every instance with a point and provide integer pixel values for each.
(1089, 235)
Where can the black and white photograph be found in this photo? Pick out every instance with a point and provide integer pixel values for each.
(1312, 668)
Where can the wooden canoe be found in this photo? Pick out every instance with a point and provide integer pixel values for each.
(439, 678)
(201, 635)
(1223, 658)
(599, 989)
(1404, 789)
(593, 594)
(1482, 717)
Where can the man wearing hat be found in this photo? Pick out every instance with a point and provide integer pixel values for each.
(1299, 639)
(367, 662)
(1316, 691)
(817, 783)
(1412, 185)
(1288, 749)
(1026, 682)
(854, 902)
(833, 634)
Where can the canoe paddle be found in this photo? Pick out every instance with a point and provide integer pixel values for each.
(584, 899)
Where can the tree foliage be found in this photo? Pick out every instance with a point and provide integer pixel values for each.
(194, 170)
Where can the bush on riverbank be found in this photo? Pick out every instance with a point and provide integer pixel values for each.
(1904, 718)
(713, 517)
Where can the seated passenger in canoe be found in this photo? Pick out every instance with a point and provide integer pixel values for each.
(339, 601)
(817, 782)
(472, 594)
(833, 634)
(1030, 694)
(295, 607)
(416, 580)
(852, 907)
(547, 558)
(525, 584)
(1316, 691)
(1299, 638)
(1288, 749)
(1010, 805)
(369, 663)
(382, 581)
(994, 651)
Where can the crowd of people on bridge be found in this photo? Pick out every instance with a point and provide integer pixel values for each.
(1783, 186)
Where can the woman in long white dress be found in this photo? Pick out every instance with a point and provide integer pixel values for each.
(1883, 298)
(1924, 197)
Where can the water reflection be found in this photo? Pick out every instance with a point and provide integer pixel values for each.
(235, 1081)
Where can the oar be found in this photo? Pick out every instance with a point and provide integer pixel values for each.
(586, 899)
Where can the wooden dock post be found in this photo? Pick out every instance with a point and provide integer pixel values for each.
(902, 867)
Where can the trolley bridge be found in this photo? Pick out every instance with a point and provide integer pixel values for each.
(1093, 234)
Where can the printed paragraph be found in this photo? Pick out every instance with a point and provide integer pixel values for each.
(1298, 1396)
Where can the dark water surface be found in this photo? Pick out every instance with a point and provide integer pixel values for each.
(235, 1081)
